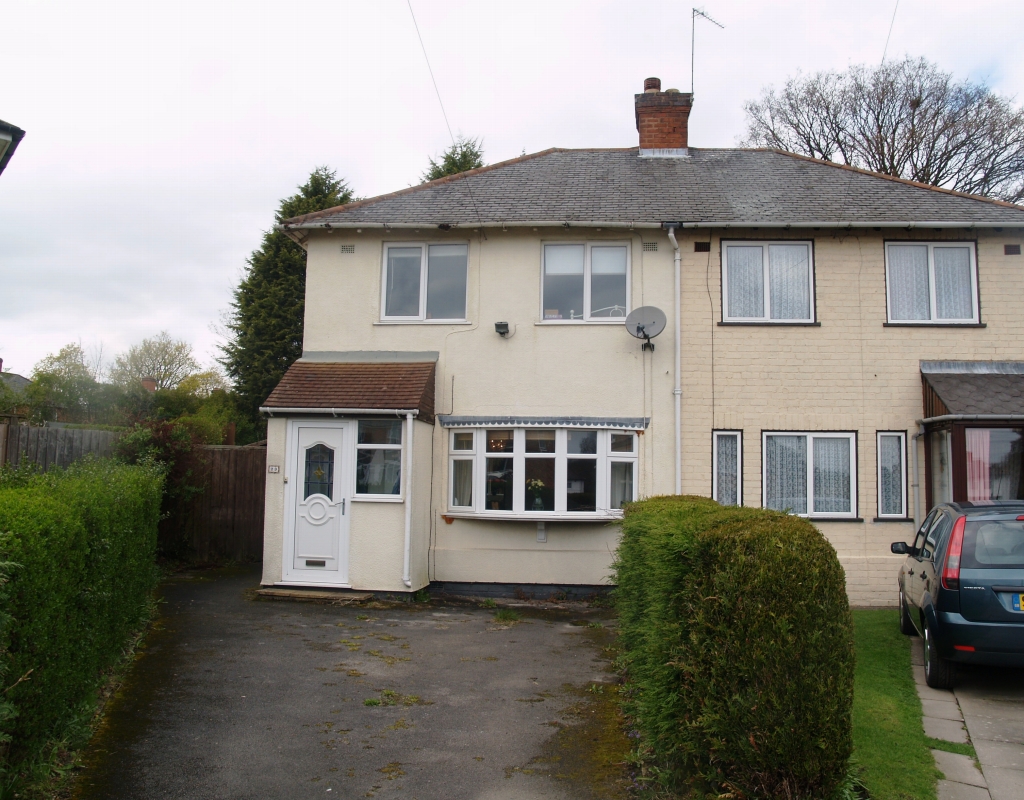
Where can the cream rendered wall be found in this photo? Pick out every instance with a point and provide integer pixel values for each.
(541, 369)
(273, 520)
(851, 373)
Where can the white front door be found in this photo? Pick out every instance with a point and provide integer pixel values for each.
(317, 550)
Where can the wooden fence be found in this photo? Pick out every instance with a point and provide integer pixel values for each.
(225, 520)
(51, 447)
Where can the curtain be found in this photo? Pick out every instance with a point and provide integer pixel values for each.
(978, 459)
(745, 280)
(726, 446)
(908, 282)
(953, 283)
(788, 276)
(462, 482)
(832, 475)
(786, 473)
(1004, 463)
(890, 478)
(563, 281)
(622, 483)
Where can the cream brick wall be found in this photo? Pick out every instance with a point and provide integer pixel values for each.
(849, 373)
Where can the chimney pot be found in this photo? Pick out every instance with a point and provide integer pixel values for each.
(652, 84)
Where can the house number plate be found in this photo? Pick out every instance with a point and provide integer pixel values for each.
(273, 469)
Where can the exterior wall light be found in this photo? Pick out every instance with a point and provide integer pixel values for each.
(501, 328)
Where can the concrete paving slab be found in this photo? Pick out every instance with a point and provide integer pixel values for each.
(942, 709)
(950, 790)
(945, 729)
(917, 651)
(996, 730)
(958, 768)
(251, 699)
(1000, 754)
(990, 705)
(919, 675)
(1005, 784)
(926, 692)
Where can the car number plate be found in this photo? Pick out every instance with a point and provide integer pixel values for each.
(1015, 600)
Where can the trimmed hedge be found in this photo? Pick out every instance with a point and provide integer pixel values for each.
(737, 641)
(78, 550)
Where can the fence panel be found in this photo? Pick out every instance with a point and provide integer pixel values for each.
(52, 447)
(225, 520)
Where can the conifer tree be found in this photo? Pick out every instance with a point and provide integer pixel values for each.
(265, 321)
(463, 155)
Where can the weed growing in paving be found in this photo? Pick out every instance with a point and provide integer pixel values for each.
(488, 603)
(507, 615)
(389, 697)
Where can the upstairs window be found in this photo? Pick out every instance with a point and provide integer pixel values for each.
(424, 282)
(584, 282)
(931, 283)
(767, 282)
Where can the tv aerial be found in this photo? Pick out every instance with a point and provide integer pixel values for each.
(645, 323)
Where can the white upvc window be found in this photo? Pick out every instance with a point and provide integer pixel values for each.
(892, 474)
(379, 458)
(727, 467)
(931, 283)
(541, 472)
(767, 282)
(585, 281)
(810, 474)
(424, 282)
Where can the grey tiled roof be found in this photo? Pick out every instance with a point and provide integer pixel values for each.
(14, 380)
(709, 186)
(979, 393)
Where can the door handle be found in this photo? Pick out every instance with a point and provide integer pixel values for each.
(343, 505)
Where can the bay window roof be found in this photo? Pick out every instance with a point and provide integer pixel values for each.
(988, 388)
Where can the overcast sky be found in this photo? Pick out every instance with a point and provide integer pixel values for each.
(161, 136)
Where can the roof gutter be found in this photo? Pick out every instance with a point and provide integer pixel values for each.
(340, 412)
(562, 223)
(972, 418)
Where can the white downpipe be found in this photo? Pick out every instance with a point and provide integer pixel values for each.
(678, 390)
(406, 575)
(917, 476)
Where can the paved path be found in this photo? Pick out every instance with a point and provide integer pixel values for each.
(987, 709)
(243, 698)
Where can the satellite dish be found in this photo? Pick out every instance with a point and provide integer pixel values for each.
(645, 323)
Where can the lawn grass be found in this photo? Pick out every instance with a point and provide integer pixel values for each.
(890, 748)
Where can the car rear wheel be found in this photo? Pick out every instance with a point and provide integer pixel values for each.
(906, 623)
(938, 672)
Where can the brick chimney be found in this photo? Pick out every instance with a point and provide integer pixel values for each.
(148, 383)
(662, 119)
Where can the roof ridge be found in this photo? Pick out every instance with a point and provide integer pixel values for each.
(893, 178)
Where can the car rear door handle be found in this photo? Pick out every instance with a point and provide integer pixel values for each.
(910, 572)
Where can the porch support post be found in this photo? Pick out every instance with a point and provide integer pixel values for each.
(406, 567)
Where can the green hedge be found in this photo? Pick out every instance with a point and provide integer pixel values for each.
(78, 551)
(737, 641)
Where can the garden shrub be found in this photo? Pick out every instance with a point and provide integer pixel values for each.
(738, 646)
(78, 550)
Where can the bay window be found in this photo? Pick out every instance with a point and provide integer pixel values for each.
(767, 282)
(541, 472)
(931, 283)
(810, 474)
(424, 282)
(585, 281)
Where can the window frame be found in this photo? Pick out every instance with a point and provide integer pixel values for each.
(767, 319)
(971, 246)
(811, 435)
(715, 434)
(588, 245)
(421, 317)
(878, 474)
(604, 458)
(359, 497)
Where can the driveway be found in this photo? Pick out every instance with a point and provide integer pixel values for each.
(238, 697)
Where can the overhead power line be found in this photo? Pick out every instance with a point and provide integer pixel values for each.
(886, 50)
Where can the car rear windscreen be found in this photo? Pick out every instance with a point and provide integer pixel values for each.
(994, 544)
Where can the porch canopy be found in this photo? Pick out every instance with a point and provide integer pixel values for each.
(345, 388)
(974, 426)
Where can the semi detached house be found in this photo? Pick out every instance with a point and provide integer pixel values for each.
(470, 407)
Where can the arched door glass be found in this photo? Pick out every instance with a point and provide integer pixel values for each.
(319, 471)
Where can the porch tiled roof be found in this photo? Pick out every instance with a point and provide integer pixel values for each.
(979, 393)
(323, 386)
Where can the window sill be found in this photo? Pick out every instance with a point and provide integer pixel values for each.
(378, 498)
(614, 321)
(767, 324)
(423, 322)
(903, 520)
(834, 519)
(934, 325)
(509, 516)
